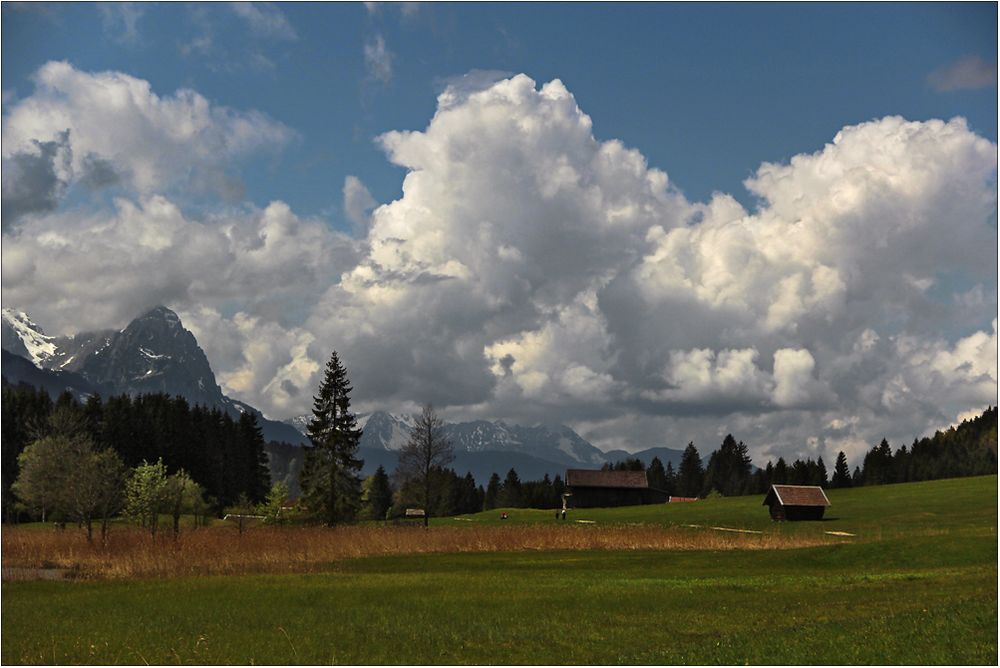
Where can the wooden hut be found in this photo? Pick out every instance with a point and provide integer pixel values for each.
(591, 489)
(796, 502)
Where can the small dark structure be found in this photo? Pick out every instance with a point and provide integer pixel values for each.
(796, 502)
(592, 489)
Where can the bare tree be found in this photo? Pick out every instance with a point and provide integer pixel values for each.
(426, 450)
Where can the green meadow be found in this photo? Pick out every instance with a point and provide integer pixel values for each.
(915, 584)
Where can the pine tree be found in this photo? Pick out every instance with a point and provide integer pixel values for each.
(330, 482)
(510, 493)
(728, 468)
(492, 496)
(256, 476)
(780, 474)
(656, 476)
(670, 480)
(690, 475)
(820, 477)
(377, 495)
(841, 473)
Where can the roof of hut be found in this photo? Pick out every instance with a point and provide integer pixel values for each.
(797, 495)
(611, 479)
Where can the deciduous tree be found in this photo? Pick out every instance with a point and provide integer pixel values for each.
(426, 450)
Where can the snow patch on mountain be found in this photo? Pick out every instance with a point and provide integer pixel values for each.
(21, 332)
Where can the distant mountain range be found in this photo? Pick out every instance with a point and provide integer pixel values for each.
(155, 353)
(484, 447)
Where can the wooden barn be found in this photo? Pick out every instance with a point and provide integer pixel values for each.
(592, 489)
(796, 502)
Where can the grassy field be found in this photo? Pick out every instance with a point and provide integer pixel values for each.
(916, 584)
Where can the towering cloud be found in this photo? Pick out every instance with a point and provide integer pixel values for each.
(532, 271)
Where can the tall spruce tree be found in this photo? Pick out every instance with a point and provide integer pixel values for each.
(670, 480)
(690, 475)
(819, 478)
(510, 492)
(492, 496)
(728, 468)
(841, 473)
(656, 476)
(330, 476)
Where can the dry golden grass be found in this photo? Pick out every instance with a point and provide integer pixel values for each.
(131, 553)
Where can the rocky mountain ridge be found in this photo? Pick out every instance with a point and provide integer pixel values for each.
(154, 353)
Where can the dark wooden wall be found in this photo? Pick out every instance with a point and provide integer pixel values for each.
(604, 497)
(796, 513)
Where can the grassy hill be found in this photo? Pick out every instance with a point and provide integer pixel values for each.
(916, 584)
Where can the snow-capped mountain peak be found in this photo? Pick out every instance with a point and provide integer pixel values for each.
(23, 337)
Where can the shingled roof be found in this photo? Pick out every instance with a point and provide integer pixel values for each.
(797, 495)
(608, 479)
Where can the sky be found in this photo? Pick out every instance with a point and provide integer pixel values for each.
(656, 223)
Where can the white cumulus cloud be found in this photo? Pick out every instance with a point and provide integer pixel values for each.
(533, 271)
(152, 142)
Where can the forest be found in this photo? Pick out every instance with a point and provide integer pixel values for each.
(227, 458)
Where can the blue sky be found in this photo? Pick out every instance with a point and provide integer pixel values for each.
(655, 223)
(706, 92)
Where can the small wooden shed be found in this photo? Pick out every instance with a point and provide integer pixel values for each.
(591, 488)
(796, 502)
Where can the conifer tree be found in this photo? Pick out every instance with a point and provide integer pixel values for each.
(330, 482)
(670, 480)
(656, 476)
(780, 474)
(377, 495)
(690, 475)
(492, 496)
(841, 473)
(728, 468)
(820, 476)
(256, 477)
(510, 493)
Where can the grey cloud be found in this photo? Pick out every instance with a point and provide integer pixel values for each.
(35, 181)
(98, 173)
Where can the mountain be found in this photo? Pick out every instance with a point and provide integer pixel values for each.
(557, 444)
(154, 353)
(21, 336)
(480, 446)
(20, 371)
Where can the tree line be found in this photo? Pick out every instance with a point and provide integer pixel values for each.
(201, 460)
(970, 449)
(223, 455)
